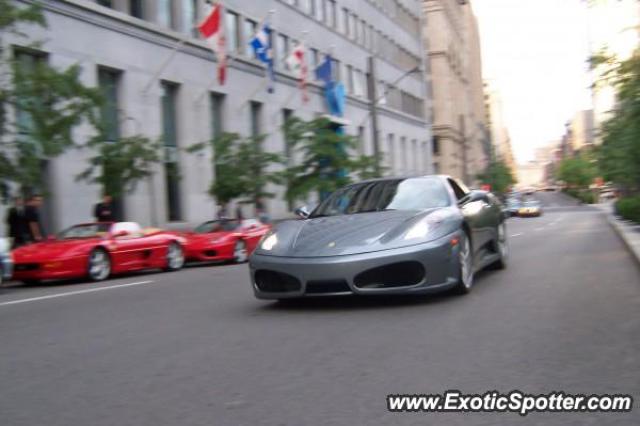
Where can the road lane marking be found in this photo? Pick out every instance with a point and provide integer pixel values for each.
(72, 293)
(516, 235)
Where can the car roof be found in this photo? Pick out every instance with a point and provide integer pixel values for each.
(390, 178)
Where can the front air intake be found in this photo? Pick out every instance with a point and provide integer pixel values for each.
(276, 282)
(401, 274)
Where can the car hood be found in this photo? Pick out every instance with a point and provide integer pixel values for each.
(51, 250)
(208, 237)
(347, 234)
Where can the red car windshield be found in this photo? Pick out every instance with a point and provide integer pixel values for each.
(90, 230)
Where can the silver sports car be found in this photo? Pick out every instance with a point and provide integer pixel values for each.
(385, 236)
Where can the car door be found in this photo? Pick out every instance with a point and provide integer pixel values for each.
(129, 252)
(476, 212)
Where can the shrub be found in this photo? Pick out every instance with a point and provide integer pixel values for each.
(629, 208)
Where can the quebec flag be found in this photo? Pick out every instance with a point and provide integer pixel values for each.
(261, 44)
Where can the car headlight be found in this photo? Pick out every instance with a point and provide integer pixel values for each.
(269, 242)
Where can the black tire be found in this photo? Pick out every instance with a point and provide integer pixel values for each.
(175, 257)
(465, 255)
(240, 254)
(501, 248)
(98, 265)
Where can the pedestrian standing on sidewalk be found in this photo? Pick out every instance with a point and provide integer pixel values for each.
(261, 211)
(239, 215)
(35, 230)
(103, 212)
(17, 224)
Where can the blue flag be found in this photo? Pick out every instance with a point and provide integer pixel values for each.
(324, 71)
(261, 44)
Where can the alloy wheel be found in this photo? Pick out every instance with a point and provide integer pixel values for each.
(175, 256)
(466, 264)
(240, 254)
(99, 265)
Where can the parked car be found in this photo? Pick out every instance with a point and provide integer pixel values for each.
(97, 250)
(384, 236)
(6, 260)
(224, 240)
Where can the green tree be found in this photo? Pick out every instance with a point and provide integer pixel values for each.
(577, 172)
(47, 104)
(498, 175)
(325, 164)
(118, 166)
(619, 154)
(242, 168)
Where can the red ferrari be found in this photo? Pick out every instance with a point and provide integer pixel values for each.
(97, 250)
(224, 240)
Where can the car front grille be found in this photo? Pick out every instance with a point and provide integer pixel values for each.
(401, 274)
(327, 286)
(26, 267)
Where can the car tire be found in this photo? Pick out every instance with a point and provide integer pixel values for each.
(501, 247)
(98, 265)
(240, 254)
(465, 265)
(175, 257)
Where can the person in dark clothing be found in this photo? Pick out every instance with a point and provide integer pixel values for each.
(17, 224)
(103, 212)
(35, 231)
(239, 215)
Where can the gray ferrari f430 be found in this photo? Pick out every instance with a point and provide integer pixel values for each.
(384, 236)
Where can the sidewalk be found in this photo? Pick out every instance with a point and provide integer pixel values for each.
(628, 231)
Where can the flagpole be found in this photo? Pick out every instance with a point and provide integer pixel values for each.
(166, 62)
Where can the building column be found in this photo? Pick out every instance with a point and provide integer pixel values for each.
(150, 8)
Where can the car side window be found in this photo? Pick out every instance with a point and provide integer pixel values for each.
(457, 190)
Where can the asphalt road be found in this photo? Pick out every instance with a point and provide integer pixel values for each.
(195, 348)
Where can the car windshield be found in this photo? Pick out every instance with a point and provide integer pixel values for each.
(217, 226)
(90, 230)
(396, 194)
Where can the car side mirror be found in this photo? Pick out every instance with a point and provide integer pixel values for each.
(302, 212)
(475, 195)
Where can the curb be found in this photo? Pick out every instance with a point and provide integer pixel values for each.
(625, 236)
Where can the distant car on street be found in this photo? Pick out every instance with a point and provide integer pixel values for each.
(384, 236)
(6, 260)
(530, 208)
(512, 207)
(97, 250)
(224, 240)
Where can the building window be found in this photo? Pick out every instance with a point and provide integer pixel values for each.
(282, 50)
(26, 63)
(250, 28)
(361, 142)
(256, 118)
(165, 13)
(189, 16)
(136, 9)
(415, 155)
(350, 79)
(404, 153)
(346, 28)
(320, 11)
(108, 82)
(233, 42)
(315, 58)
(105, 3)
(436, 145)
(392, 153)
(352, 26)
(170, 139)
(217, 116)
(331, 13)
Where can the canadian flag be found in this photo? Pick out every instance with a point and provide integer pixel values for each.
(297, 63)
(212, 29)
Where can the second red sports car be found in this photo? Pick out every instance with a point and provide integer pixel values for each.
(224, 240)
(96, 250)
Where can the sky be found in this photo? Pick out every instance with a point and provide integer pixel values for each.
(534, 52)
